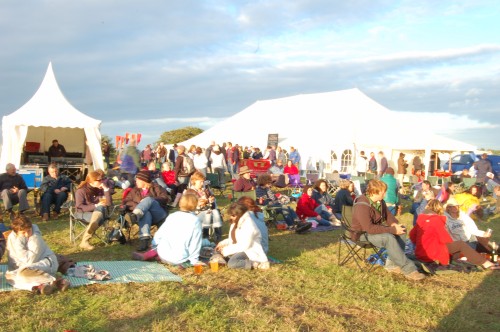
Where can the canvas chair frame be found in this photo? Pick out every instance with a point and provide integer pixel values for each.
(356, 250)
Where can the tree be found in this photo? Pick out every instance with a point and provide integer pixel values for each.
(179, 135)
(106, 138)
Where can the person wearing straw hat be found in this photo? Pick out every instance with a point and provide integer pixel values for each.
(245, 181)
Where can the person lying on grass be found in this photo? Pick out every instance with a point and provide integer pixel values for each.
(243, 246)
(372, 221)
(433, 243)
(31, 264)
(179, 238)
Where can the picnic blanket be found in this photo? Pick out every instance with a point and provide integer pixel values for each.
(120, 271)
(324, 228)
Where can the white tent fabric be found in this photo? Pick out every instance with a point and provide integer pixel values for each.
(321, 124)
(47, 116)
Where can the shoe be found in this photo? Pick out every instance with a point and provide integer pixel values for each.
(62, 284)
(55, 215)
(131, 219)
(395, 270)
(46, 289)
(303, 228)
(45, 217)
(143, 245)
(415, 276)
(138, 256)
(264, 266)
(335, 223)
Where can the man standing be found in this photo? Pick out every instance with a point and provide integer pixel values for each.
(383, 163)
(294, 156)
(13, 190)
(272, 155)
(361, 164)
(482, 167)
(208, 152)
(57, 150)
(402, 166)
(372, 164)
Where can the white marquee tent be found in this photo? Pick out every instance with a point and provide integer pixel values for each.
(322, 126)
(47, 116)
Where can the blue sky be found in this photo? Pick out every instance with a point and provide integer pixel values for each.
(154, 66)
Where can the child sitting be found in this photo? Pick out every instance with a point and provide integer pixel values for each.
(31, 264)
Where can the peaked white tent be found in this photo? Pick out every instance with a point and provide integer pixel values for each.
(322, 126)
(47, 116)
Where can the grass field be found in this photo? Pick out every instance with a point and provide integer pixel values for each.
(308, 292)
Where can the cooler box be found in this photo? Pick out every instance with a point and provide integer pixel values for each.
(32, 177)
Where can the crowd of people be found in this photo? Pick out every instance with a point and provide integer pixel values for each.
(156, 180)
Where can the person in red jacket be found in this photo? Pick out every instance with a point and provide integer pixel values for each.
(290, 168)
(434, 244)
(307, 208)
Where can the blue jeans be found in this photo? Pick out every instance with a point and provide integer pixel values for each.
(153, 214)
(323, 212)
(53, 198)
(288, 213)
(395, 246)
(239, 261)
(321, 222)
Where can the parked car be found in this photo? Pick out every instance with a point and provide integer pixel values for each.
(461, 161)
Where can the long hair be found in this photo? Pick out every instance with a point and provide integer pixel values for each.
(250, 204)
(435, 206)
(91, 177)
(236, 210)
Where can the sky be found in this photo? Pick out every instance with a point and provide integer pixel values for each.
(153, 66)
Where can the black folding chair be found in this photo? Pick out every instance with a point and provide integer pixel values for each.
(356, 248)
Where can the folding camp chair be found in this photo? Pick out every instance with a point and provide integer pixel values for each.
(77, 224)
(311, 178)
(215, 183)
(333, 182)
(468, 182)
(356, 249)
(295, 185)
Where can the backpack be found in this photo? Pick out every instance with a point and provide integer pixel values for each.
(187, 166)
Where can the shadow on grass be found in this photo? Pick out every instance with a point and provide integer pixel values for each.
(478, 310)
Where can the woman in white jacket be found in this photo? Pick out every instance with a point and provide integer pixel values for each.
(243, 245)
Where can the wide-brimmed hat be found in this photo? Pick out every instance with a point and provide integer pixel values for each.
(451, 202)
(243, 170)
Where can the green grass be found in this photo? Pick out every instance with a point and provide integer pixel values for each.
(308, 292)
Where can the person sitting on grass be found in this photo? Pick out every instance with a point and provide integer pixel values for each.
(462, 227)
(309, 210)
(258, 217)
(54, 190)
(372, 221)
(245, 181)
(148, 203)
(243, 245)
(321, 196)
(92, 199)
(265, 196)
(434, 244)
(179, 238)
(343, 197)
(206, 210)
(31, 264)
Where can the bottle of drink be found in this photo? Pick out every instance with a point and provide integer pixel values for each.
(494, 254)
